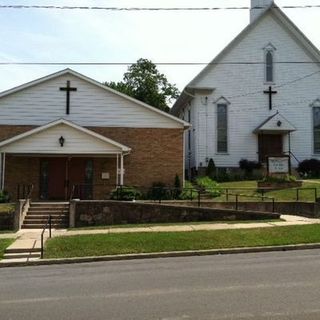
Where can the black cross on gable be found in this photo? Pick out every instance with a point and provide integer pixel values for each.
(270, 93)
(68, 89)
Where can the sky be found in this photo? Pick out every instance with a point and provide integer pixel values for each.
(47, 35)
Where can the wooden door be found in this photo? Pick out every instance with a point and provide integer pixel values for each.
(53, 179)
(80, 171)
(270, 145)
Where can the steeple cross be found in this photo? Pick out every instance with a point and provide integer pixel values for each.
(270, 93)
(68, 89)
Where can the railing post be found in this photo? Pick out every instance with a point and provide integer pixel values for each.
(237, 202)
(199, 198)
(191, 195)
(50, 226)
(273, 205)
(227, 195)
(42, 245)
(315, 195)
(297, 197)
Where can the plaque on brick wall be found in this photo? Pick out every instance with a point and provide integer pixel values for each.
(279, 165)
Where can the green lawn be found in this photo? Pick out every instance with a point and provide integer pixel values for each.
(249, 188)
(4, 243)
(111, 244)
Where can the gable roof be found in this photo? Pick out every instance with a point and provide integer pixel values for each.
(95, 83)
(273, 9)
(276, 123)
(88, 132)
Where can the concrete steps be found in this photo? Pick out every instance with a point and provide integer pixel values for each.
(39, 212)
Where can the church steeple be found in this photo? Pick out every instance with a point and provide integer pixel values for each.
(257, 7)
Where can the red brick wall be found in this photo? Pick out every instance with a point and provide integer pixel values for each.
(156, 156)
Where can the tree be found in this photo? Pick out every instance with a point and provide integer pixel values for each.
(144, 82)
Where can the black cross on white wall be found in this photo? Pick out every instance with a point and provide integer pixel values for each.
(270, 92)
(68, 89)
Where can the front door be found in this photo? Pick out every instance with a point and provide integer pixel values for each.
(270, 145)
(59, 175)
(53, 178)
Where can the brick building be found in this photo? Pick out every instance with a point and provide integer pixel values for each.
(67, 130)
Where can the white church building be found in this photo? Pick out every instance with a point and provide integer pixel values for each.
(259, 97)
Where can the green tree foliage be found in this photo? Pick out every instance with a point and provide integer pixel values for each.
(144, 82)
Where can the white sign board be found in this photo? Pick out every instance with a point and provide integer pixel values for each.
(278, 164)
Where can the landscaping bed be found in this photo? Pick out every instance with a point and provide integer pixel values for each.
(126, 243)
(7, 211)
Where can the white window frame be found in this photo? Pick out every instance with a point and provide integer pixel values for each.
(222, 101)
(269, 49)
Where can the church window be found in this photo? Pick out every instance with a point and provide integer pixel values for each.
(269, 66)
(222, 128)
(316, 129)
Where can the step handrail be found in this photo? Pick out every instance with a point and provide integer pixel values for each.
(48, 224)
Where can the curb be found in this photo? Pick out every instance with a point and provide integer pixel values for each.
(171, 254)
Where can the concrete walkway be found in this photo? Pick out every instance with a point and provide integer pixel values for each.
(30, 240)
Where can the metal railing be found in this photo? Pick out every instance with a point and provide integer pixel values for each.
(47, 225)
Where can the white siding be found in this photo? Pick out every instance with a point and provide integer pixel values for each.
(47, 142)
(246, 110)
(89, 106)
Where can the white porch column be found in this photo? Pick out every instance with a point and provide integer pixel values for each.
(0, 171)
(121, 170)
(3, 165)
(117, 172)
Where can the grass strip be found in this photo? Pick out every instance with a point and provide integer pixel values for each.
(4, 243)
(111, 244)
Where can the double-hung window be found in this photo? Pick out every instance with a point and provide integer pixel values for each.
(222, 128)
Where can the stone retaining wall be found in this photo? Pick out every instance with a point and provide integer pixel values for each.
(94, 213)
(307, 209)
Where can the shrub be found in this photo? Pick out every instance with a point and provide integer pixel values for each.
(126, 194)
(4, 196)
(209, 186)
(189, 192)
(211, 169)
(159, 191)
(177, 187)
(309, 167)
(248, 166)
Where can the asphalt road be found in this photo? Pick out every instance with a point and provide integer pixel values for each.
(282, 285)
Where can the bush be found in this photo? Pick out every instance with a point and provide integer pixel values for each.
(209, 185)
(126, 194)
(177, 187)
(310, 168)
(189, 192)
(211, 169)
(159, 191)
(4, 197)
(248, 166)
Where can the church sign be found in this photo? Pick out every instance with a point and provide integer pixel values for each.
(279, 165)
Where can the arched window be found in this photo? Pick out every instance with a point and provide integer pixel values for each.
(269, 66)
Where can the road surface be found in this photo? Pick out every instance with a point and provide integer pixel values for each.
(282, 285)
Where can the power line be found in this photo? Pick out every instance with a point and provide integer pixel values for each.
(148, 8)
(156, 63)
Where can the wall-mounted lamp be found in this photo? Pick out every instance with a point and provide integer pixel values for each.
(61, 141)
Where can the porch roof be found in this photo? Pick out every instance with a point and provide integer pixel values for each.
(62, 137)
(276, 123)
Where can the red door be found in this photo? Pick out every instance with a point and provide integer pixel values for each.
(80, 172)
(53, 179)
(270, 145)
